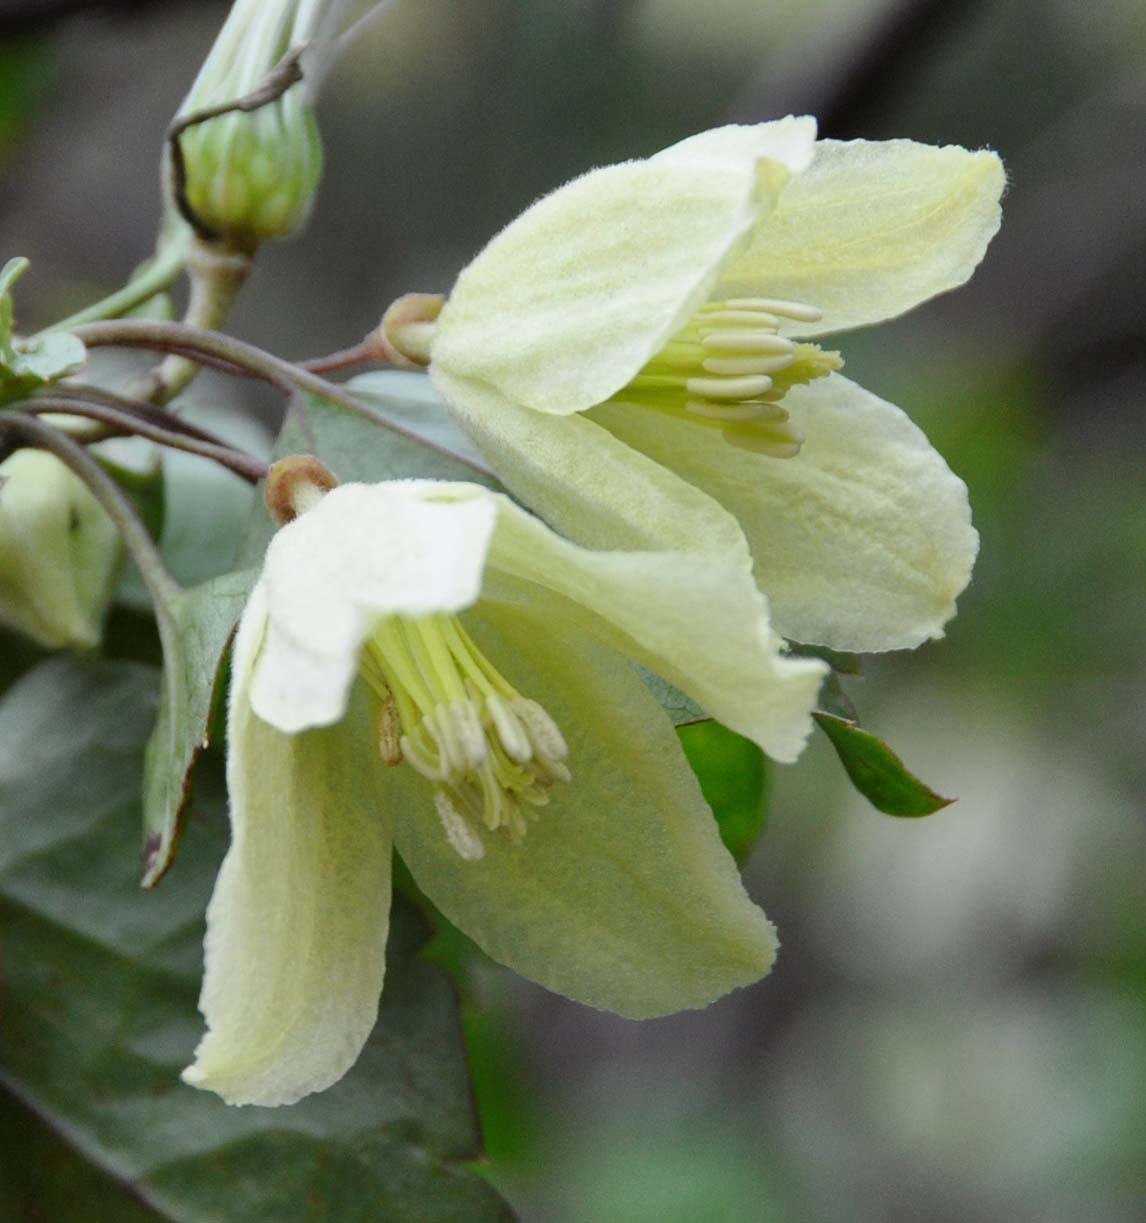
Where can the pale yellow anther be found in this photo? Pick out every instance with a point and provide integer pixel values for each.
(750, 341)
(798, 311)
(736, 366)
(732, 389)
(485, 748)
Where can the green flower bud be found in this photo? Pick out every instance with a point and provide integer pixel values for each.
(252, 175)
(59, 552)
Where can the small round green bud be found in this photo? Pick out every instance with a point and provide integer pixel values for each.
(59, 552)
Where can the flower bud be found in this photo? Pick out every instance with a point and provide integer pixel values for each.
(251, 175)
(59, 552)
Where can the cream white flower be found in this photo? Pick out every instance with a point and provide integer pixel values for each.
(634, 355)
(425, 665)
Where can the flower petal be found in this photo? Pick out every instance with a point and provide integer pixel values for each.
(621, 894)
(699, 623)
(590, 486)
(861, 542)
(364, 551)
(871, 229)
(296, 928)
(565, 305)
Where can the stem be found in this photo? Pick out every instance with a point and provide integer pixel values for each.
(162, 586)
(194, 342)
(156, 276)
(366, 350)
(131, 423)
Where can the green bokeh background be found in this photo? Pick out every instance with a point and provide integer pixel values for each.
(956, 1029)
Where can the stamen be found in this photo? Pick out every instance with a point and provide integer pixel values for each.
(798, 311)
(729, 368)
(748, 341)
(729, 388)
(458, 832)
(449, 714)
(390, 731)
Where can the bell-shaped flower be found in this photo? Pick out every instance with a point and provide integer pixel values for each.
(424, 665)
(634, 355)
(59, 553)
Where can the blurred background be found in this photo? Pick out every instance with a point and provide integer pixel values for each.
(956, 1029)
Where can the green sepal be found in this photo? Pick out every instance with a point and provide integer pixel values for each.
(877, 772)
(195, 626)
(733, 776)
(28, 364)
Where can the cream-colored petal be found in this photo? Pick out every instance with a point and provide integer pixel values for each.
(861, 542)
(364, 551)
(871, 229)
(565, 305)
(791, 142)
(586, 483)
(297, 924)
(621, 894)
(696, 621)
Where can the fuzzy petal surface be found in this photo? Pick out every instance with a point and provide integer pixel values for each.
(568, 302)
(621, 894)
(862, 541)
(588, 484)
(871, 229)
(364, 551)
(699, 623)
(297, 924)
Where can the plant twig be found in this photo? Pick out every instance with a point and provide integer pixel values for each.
(137, 424)
(195, 342)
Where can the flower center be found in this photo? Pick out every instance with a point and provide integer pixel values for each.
(729, 367)
(491, 754)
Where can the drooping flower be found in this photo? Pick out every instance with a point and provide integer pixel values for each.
(59, 553)
(425, 665)
(634, 355)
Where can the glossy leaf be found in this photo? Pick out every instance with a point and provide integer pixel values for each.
(195, 627)
(100, 1003)
(877, 772)
(733, 776)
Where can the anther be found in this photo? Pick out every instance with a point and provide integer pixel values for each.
(729, 388)
(735, 411)
(774, 305)
(747, 365)
(458, 832)
(748, 341)
(390, 732)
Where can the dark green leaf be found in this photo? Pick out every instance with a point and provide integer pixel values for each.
(733, 776)
(877, 772)
(195, 627)
(27, 364)
(99, 1008)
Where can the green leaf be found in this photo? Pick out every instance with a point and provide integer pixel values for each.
(733, 776)
(357, 449)
(27, 364)
(876, 771)
(99, 1006)
(195, 627)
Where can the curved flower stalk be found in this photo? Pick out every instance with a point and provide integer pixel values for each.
(635, 355)
(425, 665)
(59, 553)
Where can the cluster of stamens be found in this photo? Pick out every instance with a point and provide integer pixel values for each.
(491, 754)
(730, 367)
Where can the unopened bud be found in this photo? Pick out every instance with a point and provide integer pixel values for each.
(296, 484)
(251, 174)
(59, 552)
